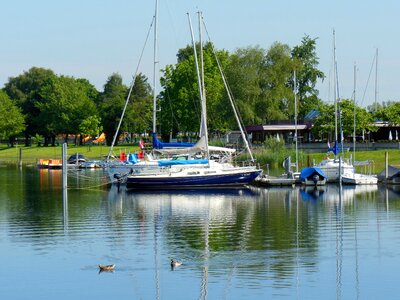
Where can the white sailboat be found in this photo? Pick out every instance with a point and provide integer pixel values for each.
(208, 175)
(353, 177)
(333, 168)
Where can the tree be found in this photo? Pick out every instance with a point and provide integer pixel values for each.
(389, 111)
(180, 100)
(65, 104)
(111, 103)
(244, 72)
(307, 74)
(14, 123)
(139, 116)
(277, 103)
(325, 122)
(24, 90)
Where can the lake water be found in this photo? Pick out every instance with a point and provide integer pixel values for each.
(247, 243)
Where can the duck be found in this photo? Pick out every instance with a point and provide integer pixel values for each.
(175, 263)
(106, 268)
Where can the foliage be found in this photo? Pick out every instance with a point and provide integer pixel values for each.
(139, 114)
(180, 100)
(389, 111)
(14, 123)
(91, 126)
(325, 122)
(307, 74)
(66, 104)
(111, 103)
(24, 90)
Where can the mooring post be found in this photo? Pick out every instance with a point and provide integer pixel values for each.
(386, 166)
(64, 166)
(20, 157)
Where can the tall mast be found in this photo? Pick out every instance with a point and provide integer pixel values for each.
(295, 118)
(202, 98)
(203, 89)
(155, 69)
(334, 84)
(354, 121)
(376, 78)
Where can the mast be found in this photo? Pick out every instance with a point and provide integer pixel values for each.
(202, 98)
(155, 69)
(334, 84)
(203, 88)
(295, 118)
(376, 79)
(354, 121)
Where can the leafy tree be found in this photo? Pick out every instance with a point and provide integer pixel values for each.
(13, 124)
(277, 92)
(180, 100)
(389, 111)
(307, 74)
(111, 103)
(24, 90)
(139, 115)
(65, 104)
(325, 123)
(244, 72)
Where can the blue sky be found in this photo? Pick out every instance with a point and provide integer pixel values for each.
(94, 38)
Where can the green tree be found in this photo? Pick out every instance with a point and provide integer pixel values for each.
(24, 90)
(180, 100)
(111, 103)
(307, 75)
(325, 122)
(388, 111)
(244, 72)
(139, 114)
(14, 123)
(278, 94)
(65, 104)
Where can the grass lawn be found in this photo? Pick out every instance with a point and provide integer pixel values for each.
(32, 154)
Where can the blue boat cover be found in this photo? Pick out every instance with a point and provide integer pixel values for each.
(311, 171)
(171, 162)
(157, 144)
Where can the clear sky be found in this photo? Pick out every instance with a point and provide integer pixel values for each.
(94, 38)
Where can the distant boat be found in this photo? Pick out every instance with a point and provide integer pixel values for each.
(393, 175)
(356, 178)
(312, 176)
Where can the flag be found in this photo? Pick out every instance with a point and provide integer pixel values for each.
(278, 138)
(329, 145)
(390, 135)
(335, 149)
(141, 144)
(397, 136)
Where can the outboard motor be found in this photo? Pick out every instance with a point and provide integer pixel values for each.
(315, 178)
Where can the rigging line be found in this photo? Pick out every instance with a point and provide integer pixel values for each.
(231, 99)
(369, 76)
(229, 91)
(130, 89)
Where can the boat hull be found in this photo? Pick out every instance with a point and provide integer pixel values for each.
(184, 181)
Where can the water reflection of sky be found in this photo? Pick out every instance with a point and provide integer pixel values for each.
(235, 243)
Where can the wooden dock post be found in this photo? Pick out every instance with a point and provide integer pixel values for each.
(386, 166)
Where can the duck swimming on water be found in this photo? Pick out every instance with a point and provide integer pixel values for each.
(108, 268)
(175, 263)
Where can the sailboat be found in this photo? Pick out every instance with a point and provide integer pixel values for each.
(353, 177)
(208, 175)
(333, 168)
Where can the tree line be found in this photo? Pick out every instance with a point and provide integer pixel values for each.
(42, 104)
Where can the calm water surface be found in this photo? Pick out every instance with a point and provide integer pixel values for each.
(249, 243)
